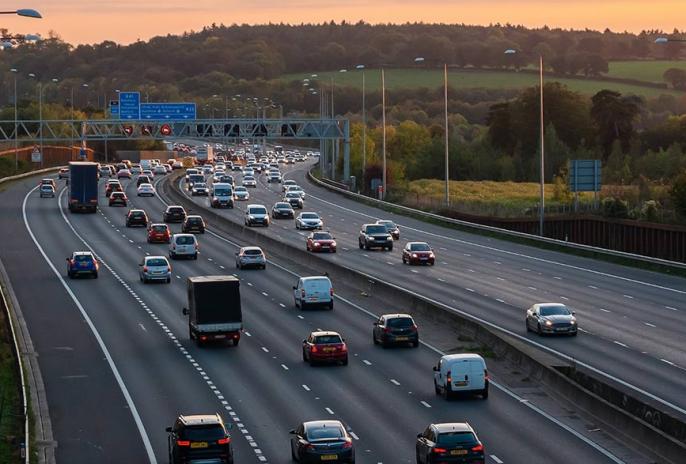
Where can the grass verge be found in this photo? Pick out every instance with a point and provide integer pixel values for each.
(11, 417)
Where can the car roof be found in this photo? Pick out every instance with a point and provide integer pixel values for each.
(453, 427)
(201, 419)
(158, 224)
(193, 216)
(321, 333)
(155, 257)
(417, 243)
(313, 278)
(462, 357)
(548, 305)
(396, 315)
(184, 235)
(323, 423)
(256, 205)
(251, 248)
(174, 206)
(82, 253)
(136, 210)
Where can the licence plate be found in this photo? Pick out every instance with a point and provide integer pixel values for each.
(460, 383)
(328, 350)
(329, 457)
(423, 259)
(220, 336)
(458, 452)
(199, 444)
(402, 339)
(561, 329)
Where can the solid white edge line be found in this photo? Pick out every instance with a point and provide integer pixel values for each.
(96, 334)
(436, 350)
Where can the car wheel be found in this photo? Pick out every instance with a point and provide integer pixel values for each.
(95, 275)
(361, 246)
(304, 356)
(447, 394)
(345, 361)
(236, 341)
(195, 256)
(331, 305)
(484, 393)
(404, 261)
(575, 333)
(528, 329)
(390, 248)
(168, 280)
(415, 344)
(264, 266)
(70, 274)
(538, 328)
(376, 342)
(303, 305)
(436, 389)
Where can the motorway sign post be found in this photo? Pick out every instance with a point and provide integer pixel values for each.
(584, 176)
(36, 155)
(129, 105)
(170, 111)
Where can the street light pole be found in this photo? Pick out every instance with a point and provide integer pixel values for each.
(16, 135)
(383, 137)
(542, 212)
(447, 133)
(364, 124)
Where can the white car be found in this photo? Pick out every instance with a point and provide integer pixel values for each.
(159, 170)
(288, 183)
(183, 245)
(256, 215)
(154, 268)
(311, 291)
(207, 169)
(241, 193)
(47, 190)
(248, 172)
(249, 181)
(200, 188)
(146, 190)
(308, 221)
(147, 172)
(464, 372)
(296, 189)
(136, 169)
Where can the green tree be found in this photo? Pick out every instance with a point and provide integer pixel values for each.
(676, 78)
(678, 193)
(614, 115)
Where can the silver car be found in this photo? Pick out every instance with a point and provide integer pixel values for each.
(308, 221)
(551, 318)
(251, 256)
(249, 181)
(47, 190)
(154, 268)
(241, 193)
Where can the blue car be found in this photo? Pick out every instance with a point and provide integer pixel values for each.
(82, 263)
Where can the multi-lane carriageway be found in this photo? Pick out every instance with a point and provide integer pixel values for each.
(118, 366)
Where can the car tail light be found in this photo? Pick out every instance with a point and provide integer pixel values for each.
(413, 328)
(183, 443)
(478, 448)
(387, 330)
(348, 443)
(331, 291)
(203, 337)
(449, 377)
(302, 293)
(343, 347)
(145, 268)
(313, 349)
(439, 450)
(224, 441)
(486, 377)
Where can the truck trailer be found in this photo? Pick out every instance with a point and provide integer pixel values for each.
(214, 309)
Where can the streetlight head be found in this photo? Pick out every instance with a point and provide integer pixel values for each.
(32, 75)
(661, 40)
(419, 59)
(14, 70)
(510, 51)
(7, 44)
(342, 70)
(29, 13)
(54, 79)
(360, 66)
(313, 75)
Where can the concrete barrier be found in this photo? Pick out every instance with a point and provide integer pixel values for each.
(663, 439)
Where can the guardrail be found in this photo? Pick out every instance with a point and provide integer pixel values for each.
(29, 174)
(498, 230)
(20, 367)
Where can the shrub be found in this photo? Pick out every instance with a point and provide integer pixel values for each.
(615, 208)
(678, 194)
(650, 211)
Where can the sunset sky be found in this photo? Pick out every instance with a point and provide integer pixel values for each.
(124, 21)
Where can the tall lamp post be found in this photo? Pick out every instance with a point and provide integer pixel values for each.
(364, 124)
(541, 215)
(16, 135)
(383, 132)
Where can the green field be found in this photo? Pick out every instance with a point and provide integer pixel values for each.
(649, 71)
(409, 78)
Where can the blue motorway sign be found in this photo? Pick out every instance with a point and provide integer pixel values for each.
(584, 175)
(129, 105)
(173, 111)
(114, 109)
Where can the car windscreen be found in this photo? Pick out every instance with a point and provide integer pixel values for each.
(137, 214)
(253, 252)
(221, 192)
(83, 258)
(420, 247)
(282, 206)
(185, 240)
(258, 211)
(176, 210)
(292, 195)
(554, 311)
(156, 262)
(241, 189)
(321, 236)
(376, 230)
(208, 433)
(47, 187)
(192, 220)
(456, 438)
(200, 185)
(249, 178)
(196, 178)
(323, 339)
(388, 225)
(323, 433)
(310, 216)
(399, 322)
(159, 228)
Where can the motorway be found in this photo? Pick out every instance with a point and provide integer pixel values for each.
(118, 364)
(632, 322)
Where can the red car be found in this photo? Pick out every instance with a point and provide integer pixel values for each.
(118, 198)
(324, 346)
(113, 188)
(418, 253)
(321, 241)
(159, 233)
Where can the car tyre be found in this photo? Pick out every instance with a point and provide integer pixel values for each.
(331, 305)
(436, 389)
(447, 393)
(345, 361)
(415, 344)
(195, 256)
(95, 275)
(528, 329)
(538, 329)
(376, 342)
(484, 393)
(575, 333)
(361, 246)
(168, 280)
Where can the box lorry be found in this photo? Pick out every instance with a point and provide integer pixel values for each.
(214, 309)
(83, 186)
(204, 155)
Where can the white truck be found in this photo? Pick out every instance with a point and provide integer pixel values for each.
(204, 155)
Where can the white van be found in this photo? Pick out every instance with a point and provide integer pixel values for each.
(183, 245)
(461, 373)
(312, 291)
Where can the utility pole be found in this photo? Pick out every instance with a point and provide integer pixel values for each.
(447, 134)
(383, 138)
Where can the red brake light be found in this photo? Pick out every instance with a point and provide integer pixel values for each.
(387, 330)
(313, 349)
(478, 447)
(486, 374)
(145, 268)
(439, 450)
(413, 328)
(331, 291)
(343, 347)
(348, 443)
(183, 443)
(224, 441)
(450, 377)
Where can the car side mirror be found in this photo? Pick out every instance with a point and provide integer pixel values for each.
(168, 429)
(185, 311)
(294, 287)
(140, 264)
(376, 323)
(69, 259)
(435, 369)
(292, 432)
(419, 435)
(573, 313)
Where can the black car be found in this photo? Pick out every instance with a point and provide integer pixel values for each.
(282, 210)
(391, 227)
(322, 441)
(226, 179)
(136, 217)
(174, 214)
(143, 179)
(294, 199)
(375, 236)
(450, 443)
(193, 224)
(395, 328)
(199, 438)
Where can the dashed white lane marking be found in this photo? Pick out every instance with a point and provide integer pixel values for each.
(557, 278)
(531, 288)
(501, 279)
(130, 241)
(499, 300)
(366, 362)
(469, 290)
(282, 305)
(526, 270)
(265, 349)
(668, 362)
(285, 368)
(250, 284)
(414, 270)
(619, 343)
(605, 310)
(265, 293)
(221, 267)
(441, 280)
(650, 325)
(497, 262)
(306, 387)
(669, 307)
(142, 327)
(496, 459)
(425, 404)
(564, 298)
(471, 270)
(300, 317)
(365, 255)
(593, 287)
(329, 410)
(395, 382)
(628, 296)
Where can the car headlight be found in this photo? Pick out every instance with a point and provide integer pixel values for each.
(251, 217)
(333, 244)
(573, 321)
(317, 244)
(414, 255)
(548, 323)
